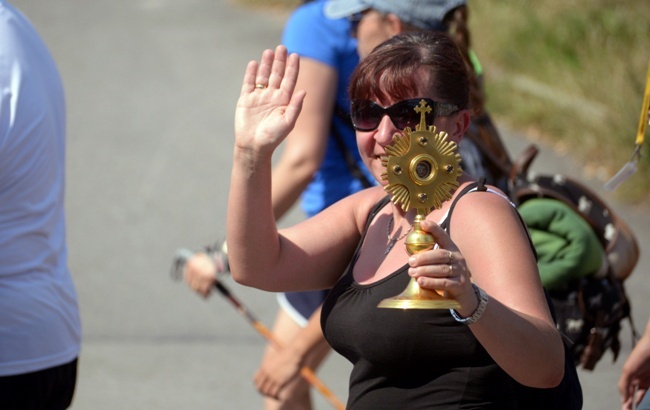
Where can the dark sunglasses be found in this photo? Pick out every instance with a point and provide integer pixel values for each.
(366, 115)
(355, 19)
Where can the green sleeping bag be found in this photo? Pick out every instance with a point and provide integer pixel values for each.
(567, 247)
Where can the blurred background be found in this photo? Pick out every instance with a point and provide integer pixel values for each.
(568, 73)
(151, 87)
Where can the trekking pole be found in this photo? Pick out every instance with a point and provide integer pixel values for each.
(182, 255)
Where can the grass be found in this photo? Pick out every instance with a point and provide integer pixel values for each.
(572, 73)
(270, 4)
(568, 72)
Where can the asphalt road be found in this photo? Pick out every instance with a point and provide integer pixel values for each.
(151, 87)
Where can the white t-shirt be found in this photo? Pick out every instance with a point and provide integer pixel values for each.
(39, 318)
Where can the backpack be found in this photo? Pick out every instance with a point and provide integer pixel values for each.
(589, 308)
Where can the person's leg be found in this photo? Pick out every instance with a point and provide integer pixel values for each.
(48, 389)
(297, 394)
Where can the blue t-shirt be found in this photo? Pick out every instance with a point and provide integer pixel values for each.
(312, 35)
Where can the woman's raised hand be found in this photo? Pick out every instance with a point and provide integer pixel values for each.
(268, 106)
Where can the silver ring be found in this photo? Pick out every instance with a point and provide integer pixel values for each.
(260, 86)
(451, 269)
(451, 257)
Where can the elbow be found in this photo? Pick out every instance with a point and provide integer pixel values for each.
(306, 170)
(238, 278)
(302, 167)
(251, 280)
(554, 376)
(546, 377)
(545, 368)
(242, 279)
(552, 368)
(239, 272)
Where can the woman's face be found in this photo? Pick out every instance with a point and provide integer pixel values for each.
(372, 144)
(372, 29)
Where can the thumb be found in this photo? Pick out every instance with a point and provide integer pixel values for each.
(295, 106)
(441, 237)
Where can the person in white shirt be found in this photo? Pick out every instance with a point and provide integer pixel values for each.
(40, 329)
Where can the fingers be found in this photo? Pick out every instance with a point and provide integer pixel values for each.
(289, 75)
(258, 73)
(442, 238)
(624, 384)
(266, 65)
(443, 268)
(437, 263)
(275, 70)
(295, 106)
(627, 396)
(200, 274)
(640, 393)
(248, 84)
(266, 385)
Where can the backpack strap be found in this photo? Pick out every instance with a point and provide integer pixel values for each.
(353, 167)
(474, 186)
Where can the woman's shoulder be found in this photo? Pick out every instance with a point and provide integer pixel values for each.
(309, 21)
(474, 202)
(361, 204)
(471, 187)
(366, 199)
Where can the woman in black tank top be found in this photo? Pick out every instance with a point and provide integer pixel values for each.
(479, 356)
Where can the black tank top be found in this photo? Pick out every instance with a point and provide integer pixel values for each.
(409, 359)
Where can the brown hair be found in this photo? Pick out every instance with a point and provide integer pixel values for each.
(455, 22)
(392, 69)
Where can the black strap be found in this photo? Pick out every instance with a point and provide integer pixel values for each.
(353, 167)
(479, 185)
(371, 216)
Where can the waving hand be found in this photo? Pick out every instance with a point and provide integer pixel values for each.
(268, 106)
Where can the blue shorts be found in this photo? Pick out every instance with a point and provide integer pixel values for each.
(301, 305)
(645, 403)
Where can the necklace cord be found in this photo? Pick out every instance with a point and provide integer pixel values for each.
(392, 240)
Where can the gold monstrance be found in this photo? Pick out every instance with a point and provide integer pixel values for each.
(422, 169)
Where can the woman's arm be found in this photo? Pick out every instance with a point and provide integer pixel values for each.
(266, 112)
(312, 254)
(302, 155)
(490, 248)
